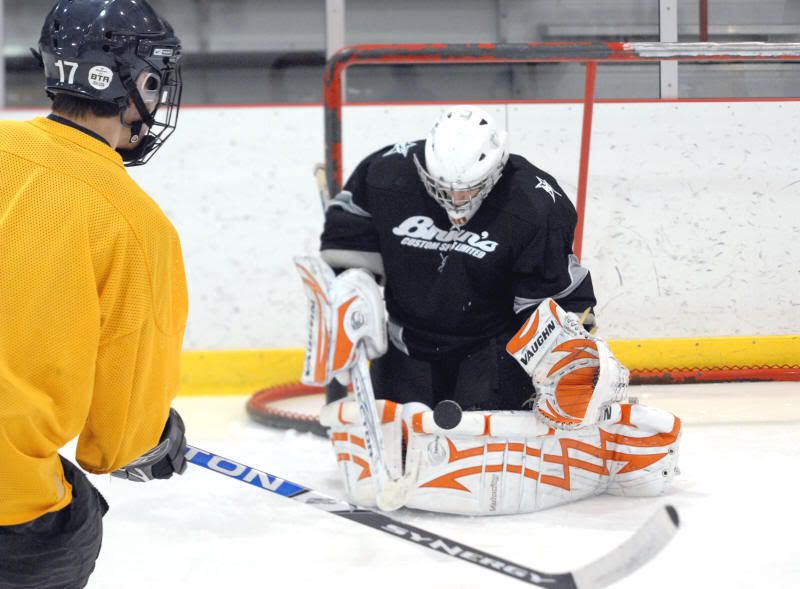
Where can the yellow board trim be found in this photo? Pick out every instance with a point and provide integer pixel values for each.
(238, 372)
(774, 351)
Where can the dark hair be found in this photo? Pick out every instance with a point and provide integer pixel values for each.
(73, 106)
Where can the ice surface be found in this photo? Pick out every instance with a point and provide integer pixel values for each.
(737, 497)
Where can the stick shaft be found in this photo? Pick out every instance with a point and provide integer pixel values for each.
(375, 520)
(365, 397)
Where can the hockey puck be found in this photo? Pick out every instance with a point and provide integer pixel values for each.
(447, 414)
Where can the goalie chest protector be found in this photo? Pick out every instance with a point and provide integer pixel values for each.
(450, 288)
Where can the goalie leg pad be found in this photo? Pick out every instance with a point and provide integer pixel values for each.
(502, 462)
(501, 476)
(348, 438)
(633, 453)
(646, 444)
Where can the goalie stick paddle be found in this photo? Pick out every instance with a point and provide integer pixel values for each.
(322, 186)
(637, 550)
(392, 493)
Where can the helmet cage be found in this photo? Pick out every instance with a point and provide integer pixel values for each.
(440, 190)
(156, 95)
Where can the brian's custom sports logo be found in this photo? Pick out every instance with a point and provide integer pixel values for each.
(421, 232)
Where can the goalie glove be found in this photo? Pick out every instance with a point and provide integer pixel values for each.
(575, 375)
(166, 459)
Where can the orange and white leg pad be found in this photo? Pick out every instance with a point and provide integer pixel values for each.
(506, 462)
(349, 444)
(575, 375)
(343, 311)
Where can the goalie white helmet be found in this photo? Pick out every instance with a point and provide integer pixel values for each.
(465, 154)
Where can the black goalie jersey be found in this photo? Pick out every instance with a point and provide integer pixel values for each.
(449, 289)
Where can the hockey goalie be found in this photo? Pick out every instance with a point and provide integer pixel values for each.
(484, 309)
(578, 435)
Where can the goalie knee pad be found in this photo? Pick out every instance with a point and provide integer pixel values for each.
(575, 375)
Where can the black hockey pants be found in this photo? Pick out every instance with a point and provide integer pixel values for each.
(485, 378)
(57, 550)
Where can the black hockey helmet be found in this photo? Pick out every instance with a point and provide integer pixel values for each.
(114, 51)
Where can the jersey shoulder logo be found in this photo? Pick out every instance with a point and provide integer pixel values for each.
(545, 185)
(400, 149)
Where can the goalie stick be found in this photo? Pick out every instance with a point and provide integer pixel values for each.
(392, 492)
(322, 186)
(637, 550)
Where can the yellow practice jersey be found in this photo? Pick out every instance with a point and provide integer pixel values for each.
(93, 308)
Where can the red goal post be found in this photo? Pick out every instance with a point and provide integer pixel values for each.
(659, 360)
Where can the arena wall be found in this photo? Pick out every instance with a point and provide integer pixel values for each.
(693, 215)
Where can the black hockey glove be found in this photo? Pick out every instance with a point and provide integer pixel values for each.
(167, 458)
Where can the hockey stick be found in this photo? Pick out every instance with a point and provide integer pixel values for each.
(637, 550)
(322, 186)
(392, 492)
(365, 397)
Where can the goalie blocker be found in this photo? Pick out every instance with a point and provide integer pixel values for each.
(347, 326)
(343, 312)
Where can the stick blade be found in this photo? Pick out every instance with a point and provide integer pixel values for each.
(632, 554)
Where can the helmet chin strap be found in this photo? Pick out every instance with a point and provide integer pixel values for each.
(136, 130)
(138, 146)
(146, 117)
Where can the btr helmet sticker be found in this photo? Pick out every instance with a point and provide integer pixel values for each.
(100, 77)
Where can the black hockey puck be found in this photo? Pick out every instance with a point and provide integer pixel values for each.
(447, 414)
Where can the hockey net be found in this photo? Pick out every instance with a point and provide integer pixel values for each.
(678, 200)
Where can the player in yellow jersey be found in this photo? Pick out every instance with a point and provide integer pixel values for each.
(93, 299)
